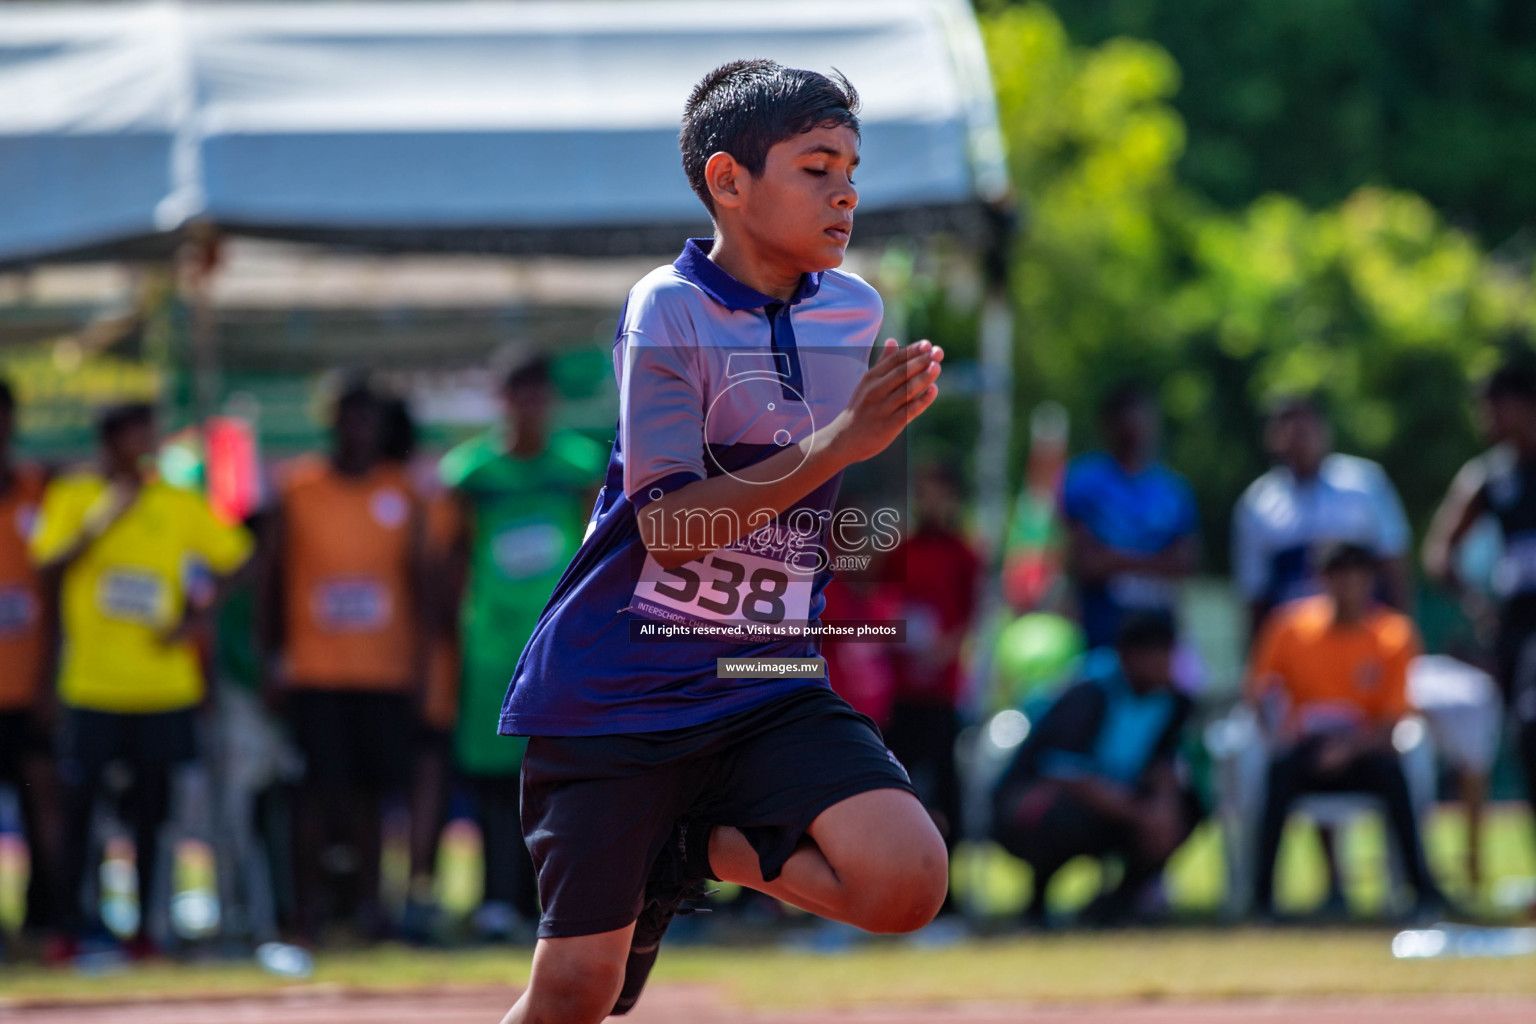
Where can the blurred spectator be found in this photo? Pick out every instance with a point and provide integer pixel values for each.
(1501, 482)
(1312, 497)
(940, 579)
(250, 758)
(27, 625)
(344, 585)
(525, 493)
(861, 673)
(1133, 525)
(1097, 774)
(120, 542)
(1335, 668)
(439, 705)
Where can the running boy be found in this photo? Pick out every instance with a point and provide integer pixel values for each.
(745, 390)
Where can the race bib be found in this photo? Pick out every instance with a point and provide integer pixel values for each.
(133, 595)
(354, 604)
(728, 586)
(529, 550)
(18, 611)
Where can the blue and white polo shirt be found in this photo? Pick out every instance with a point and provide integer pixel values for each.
(713, 376)
(1281, 522)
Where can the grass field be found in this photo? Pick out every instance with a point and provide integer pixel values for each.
(1162, 964)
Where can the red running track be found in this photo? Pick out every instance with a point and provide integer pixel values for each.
(684, 1005)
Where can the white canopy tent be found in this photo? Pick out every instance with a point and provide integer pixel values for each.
(537, 127)
(544, 127)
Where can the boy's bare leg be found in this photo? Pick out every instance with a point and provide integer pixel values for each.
(575, 980)
(874, 860)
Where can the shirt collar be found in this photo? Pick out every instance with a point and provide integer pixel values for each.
(696, 266)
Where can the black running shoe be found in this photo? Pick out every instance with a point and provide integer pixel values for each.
(671, 889)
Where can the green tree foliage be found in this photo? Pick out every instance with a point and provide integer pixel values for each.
(1316, 97)
(1123, 271)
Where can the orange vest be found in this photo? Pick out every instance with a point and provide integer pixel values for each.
(21, 597)
(348, 611)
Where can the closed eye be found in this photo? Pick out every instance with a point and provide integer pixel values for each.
(823, 174)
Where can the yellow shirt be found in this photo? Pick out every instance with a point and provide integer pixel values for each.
(128, 588)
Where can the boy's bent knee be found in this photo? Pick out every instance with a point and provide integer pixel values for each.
(905, 896)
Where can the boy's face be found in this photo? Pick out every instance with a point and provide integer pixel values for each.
(800, 209)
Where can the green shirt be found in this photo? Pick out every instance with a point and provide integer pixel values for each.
(526, 518)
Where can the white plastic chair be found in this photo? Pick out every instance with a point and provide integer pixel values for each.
(1240, 759)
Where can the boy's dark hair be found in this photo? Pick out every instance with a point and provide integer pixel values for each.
(397, 429)
(1343, 555)
(114, 419)
(1144, 630)
(7, 396)
(534, 371)
(746, 107)
(1512, 380)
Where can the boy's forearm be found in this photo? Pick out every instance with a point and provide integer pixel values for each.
(734, 504)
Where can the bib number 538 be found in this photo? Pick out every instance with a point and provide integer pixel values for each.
(728, 586)
(762, 600)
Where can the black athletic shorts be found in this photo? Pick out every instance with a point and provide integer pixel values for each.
(596, 810)
(354, 738)
(91, 740)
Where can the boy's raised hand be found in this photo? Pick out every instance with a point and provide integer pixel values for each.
(893, 392)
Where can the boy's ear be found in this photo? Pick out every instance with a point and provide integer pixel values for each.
(723, 175)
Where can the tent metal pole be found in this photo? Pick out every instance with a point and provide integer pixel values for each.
(995, 443)
(200, 261)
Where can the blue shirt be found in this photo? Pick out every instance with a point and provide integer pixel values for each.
(713, 376)
(1140, 514)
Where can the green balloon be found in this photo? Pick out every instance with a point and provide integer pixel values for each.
(1035, 652)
